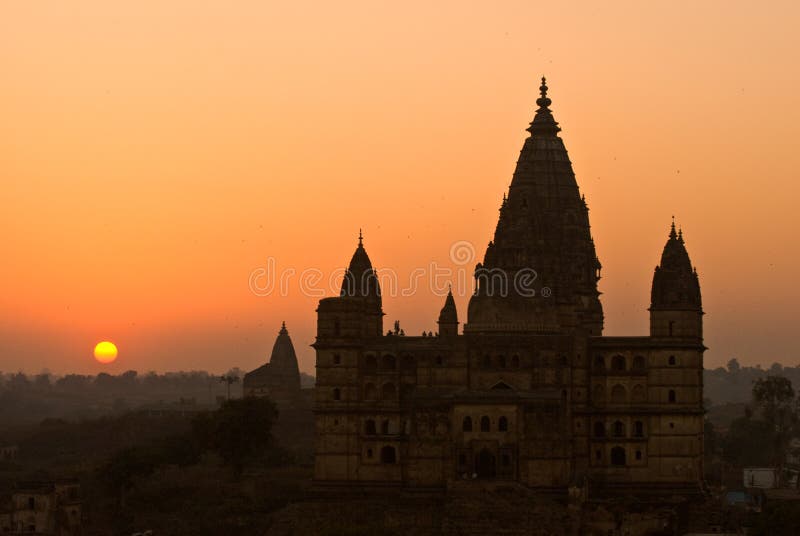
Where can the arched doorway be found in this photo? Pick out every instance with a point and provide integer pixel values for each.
(485, 464)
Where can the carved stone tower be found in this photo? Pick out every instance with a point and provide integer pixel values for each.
(676, 309)
(540, 272)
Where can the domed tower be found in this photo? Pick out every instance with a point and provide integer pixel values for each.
(283, 360)
(675, 304)
(540, 271)
(280, 378)
(357, 312)
(448, 317)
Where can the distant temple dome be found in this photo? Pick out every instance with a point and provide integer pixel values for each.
(280, 378)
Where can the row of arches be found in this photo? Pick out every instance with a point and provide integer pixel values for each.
(618, 456)
(485, 424)
(386, 428)
(619, 394)
(388, 454)
(618, 429)
(620, 364)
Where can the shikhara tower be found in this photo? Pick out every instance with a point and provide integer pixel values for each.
(542, 256)
(530, 391)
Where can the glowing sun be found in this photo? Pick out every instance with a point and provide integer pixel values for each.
(105, 352)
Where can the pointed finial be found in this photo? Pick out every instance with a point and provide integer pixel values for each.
(680, 235)
(543, 123)
(360, 237)
(283, 327)
(672, 233)
(449, 289)
(543, 101)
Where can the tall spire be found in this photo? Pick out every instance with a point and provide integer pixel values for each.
(542, 236)
(283, 359)
(448, 317)
(543, 123)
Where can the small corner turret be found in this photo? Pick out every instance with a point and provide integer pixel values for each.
(448, 317)
(675, 303)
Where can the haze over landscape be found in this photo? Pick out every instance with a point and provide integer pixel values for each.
(154, 155)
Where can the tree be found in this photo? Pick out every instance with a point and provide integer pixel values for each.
(774, 397)
(746, 443)
(733, 366)
(240, 431)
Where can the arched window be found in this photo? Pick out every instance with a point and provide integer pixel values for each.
(618, 456)
(408, 363)
(389, 362)
(672, 360)
(599, 429)
(619, 429)
(638, 454)
(638, 429)
(337, 359)
(337, 327)
(487, 361)
(369, 453)
(337, 393)
(369, 427)
(466, 424)
(618, 394)
(369, 392)
(638, 393)
(385, 427)
(515, 361)
(370, 362)
(671, 396)
(638, 363)
(618, 363)
(599, 393)
(485, 426)
(599, 363)
(388, 392)
(388, 455)
(501, 361)
(439, 361)
(502, 424)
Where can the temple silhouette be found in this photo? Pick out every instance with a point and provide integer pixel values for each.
(530, 390)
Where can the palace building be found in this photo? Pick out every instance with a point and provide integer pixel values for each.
(529, 391)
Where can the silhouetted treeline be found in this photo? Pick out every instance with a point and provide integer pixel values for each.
(29, 399)
(734, 383)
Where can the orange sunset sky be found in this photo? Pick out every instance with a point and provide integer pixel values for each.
(153, 154)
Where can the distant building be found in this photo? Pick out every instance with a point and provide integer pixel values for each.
(42, 508)
(530, 391)
(760, 477)
(280, 378)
